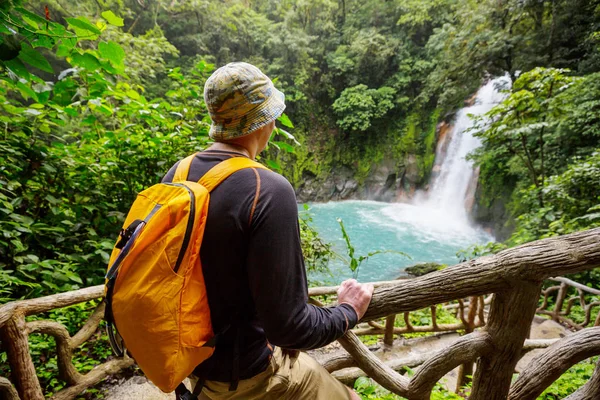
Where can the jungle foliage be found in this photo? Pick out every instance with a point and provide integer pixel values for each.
(99, 97)
(76, 150)
(542, 152)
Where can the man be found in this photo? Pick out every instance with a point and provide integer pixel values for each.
(252, 259)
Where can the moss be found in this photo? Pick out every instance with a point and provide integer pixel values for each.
(424, 268)
(360, 152)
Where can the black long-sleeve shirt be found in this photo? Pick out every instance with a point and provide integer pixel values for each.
(254, 271)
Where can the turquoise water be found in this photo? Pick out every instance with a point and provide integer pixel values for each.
(426, 234)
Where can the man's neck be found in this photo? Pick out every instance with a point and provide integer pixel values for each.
(232, 147)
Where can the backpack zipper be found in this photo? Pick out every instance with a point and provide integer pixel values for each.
(114, 268)
(190, 225)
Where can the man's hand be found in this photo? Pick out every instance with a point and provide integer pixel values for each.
(356, 294)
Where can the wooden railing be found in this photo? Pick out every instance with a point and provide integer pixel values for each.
(14, 334)
(496, 327)
(471, 314)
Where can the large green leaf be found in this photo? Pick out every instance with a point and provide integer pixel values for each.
(285, 121)
(43, 41)
(112, 52)
(26, 91)
(112, 18)
(83, 24)
(17, 67)
(30, 22)
(34, 58)
(86, 61)
(284, 146)
(273, 165)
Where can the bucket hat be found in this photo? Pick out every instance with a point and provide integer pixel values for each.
(240, 99)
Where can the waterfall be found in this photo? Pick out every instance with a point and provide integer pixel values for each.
(431, 227)
(450, 188)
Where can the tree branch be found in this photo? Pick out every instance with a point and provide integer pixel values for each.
(552, 363)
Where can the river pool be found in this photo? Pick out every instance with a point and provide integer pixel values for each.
(425, 234)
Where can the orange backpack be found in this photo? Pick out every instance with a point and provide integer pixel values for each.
(155, 293)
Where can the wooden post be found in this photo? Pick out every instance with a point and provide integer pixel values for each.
(466, 370)
(591, 390)
(388, 339)
(7, 390)
(509, 323)
(548, 366)
(562, 293)
(373, 366)
(14, 335)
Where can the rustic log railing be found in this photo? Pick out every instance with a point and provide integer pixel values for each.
(495, 334)
(14, 334)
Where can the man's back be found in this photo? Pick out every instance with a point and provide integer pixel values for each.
(254, 271)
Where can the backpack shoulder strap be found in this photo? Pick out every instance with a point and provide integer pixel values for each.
(222, 170)
(183, 169)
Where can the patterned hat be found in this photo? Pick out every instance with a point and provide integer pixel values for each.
(240, 99)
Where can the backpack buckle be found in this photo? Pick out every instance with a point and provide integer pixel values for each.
(125, 234)
(183, 393)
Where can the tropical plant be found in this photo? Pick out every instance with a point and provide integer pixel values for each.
(355, 262)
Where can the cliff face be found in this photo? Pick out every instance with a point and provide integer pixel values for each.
(494, 216)
(389, 179)
(386, 181)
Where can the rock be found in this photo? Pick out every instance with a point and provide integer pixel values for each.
(444, 132)
(349, 187)
(137, 388)
(412, 170)
(138, 380)
(390, 181)
(548, 329)
(495, 215)
(386, 181)
(423, 269)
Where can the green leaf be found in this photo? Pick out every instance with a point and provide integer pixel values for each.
(112, 18)
(63, 50)
(52, 199)
(112, 52)
(17, 67)
(30, 22)
(83, 24)
(132, 94)
(30, 15)
(43, 41)
(34, 58)
(74, 277)
(86, 61)
(287, 135)
(284, 146)
(26, 91)
(273, 165)
(69, 43)
(285, 121)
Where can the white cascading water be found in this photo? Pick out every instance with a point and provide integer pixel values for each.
(449, 189)
(440, 214)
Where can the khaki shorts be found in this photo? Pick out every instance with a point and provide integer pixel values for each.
(286, 377)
